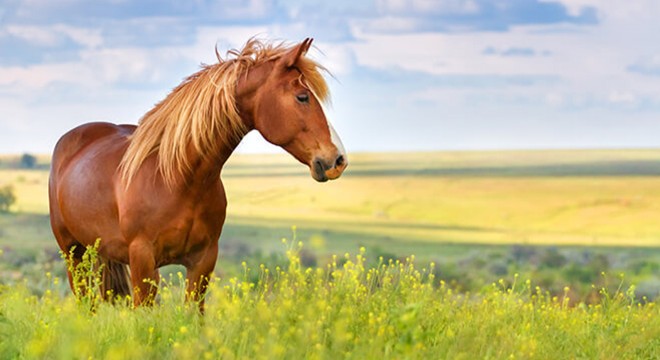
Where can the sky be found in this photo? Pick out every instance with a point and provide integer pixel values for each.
(408, 75)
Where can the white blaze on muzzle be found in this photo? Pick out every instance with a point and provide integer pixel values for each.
(336, 140)
(334, 137)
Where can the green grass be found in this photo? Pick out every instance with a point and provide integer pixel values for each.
(436, 205)
(393, 310)
(558, 218)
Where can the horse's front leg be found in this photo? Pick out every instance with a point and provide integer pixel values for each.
(74, 258)
(199, 273)
(144, 274)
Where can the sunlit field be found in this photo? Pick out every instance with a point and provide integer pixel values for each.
(538, 254)
(393, 310)
(572, 198)
(539, 197)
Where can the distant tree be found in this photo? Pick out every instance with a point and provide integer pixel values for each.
(28, 161)
(7, 198)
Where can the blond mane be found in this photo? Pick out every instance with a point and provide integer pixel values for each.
(201, 112)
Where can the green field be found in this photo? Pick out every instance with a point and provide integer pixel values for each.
(536, 254)
(461, 209)
(396, 310)
(592, 198)
(559, 198)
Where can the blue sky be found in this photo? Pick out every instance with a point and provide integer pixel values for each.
(410, 74)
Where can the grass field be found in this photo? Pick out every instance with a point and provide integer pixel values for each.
(394, 310)
(555, 198)
(538, 197)
(447, 205)
(537, 255)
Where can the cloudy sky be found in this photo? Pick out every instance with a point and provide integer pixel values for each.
(409, 74)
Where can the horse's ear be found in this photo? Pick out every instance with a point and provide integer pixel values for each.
(291, 57)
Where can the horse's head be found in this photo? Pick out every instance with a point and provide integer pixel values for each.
(288, 113)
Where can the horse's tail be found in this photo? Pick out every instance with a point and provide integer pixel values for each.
(115, 280)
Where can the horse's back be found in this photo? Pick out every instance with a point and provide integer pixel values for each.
(81, 185)
(79, 138)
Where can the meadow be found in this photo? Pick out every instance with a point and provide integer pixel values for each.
(533, 254)
(393, 310)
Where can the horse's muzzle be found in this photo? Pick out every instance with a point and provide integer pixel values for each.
(323, 170)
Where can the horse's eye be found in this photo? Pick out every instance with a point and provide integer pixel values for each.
(303, 98)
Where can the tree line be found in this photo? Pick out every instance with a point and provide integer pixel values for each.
(25, 161)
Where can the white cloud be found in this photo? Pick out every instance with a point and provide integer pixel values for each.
(392, 24)
(622, 97)
(14, 115)
(428, 6)
(98, 66)
(575, 7)
(339, 59)
(647, 65)
(243, 9)
(555, 99)
(53, 35)
(33, 34)
(225, 37)
(94, 69)
(33, 78)
(94, 80)
(131, 65)
(90, 38)
(595, 64)
(615, 10)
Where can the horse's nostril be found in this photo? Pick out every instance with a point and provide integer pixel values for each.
(318, 166)
(340, 161)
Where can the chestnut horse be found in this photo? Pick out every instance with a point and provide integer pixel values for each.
(152, 193)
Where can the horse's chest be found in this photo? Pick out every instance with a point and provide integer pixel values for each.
(188, 235)
(178, 226)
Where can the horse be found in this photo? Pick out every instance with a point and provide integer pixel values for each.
(152, 194)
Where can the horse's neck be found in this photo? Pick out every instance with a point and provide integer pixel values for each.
(246, 92)
(246, 89)
(208, 168)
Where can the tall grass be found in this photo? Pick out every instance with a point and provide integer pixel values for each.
(396, 309)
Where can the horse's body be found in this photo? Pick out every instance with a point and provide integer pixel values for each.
(152, 194)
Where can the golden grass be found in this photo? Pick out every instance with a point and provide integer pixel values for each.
(30, 187)
(493, 210)
(542, 197)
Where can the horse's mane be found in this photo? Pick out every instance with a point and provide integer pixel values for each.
(201, 112)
